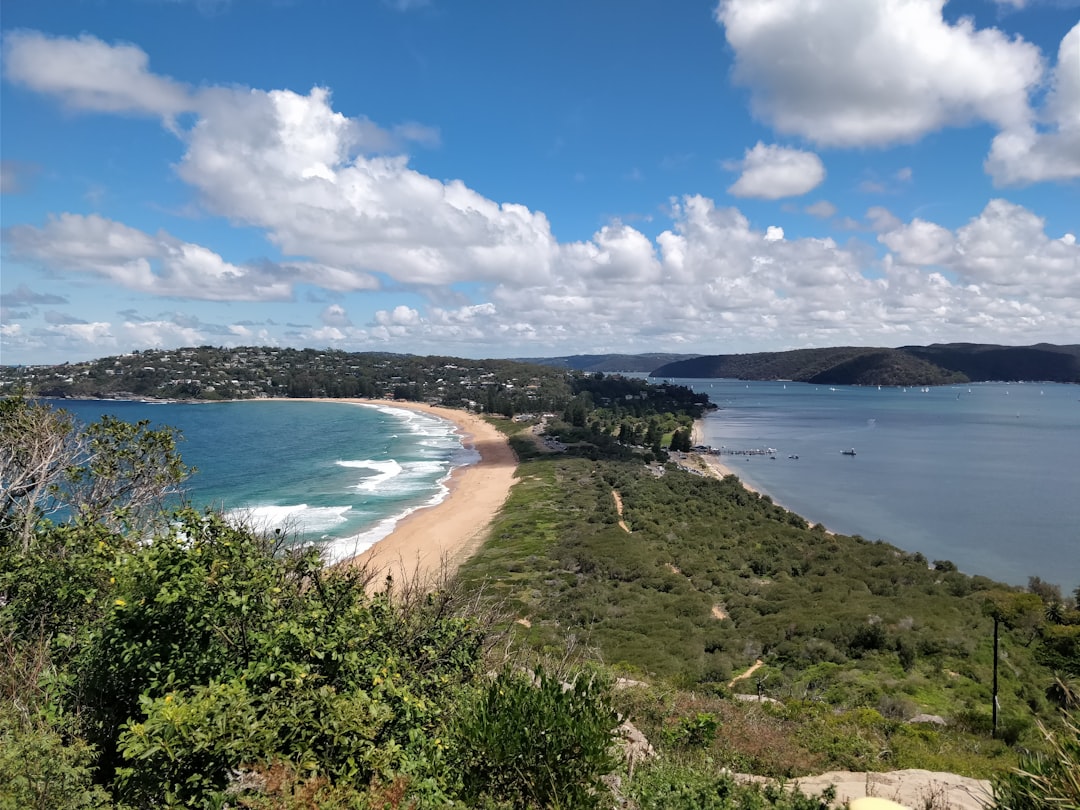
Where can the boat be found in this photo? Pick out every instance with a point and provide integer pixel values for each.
(850, 452)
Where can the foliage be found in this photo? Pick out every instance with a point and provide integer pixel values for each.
(111, 473)
(41, 770)
(536, 742)
(207, 666)
(672, 787)
(219, 649)
(1044, 781)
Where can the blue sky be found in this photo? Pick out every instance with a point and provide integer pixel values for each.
(491, 179)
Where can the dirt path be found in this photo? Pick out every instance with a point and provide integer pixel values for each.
(757, 665)
(618, 508)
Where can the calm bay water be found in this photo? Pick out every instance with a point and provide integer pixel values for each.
(334, 473)
(986, 475)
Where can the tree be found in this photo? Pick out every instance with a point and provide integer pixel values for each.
(36, 449)
(111, 472)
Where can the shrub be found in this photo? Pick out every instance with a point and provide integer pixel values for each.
(666, 787)
(535, 742)
(1044, 780)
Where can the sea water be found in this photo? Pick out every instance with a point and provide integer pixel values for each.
(336, 474)
(984, 475)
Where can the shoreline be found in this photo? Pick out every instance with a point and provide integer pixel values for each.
(719, 469)
(430, 542)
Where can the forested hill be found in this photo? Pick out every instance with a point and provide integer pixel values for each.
(609, 362)
(937, 364)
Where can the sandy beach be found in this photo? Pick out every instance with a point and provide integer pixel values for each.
(437, 539)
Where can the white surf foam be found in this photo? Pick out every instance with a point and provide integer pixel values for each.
(334, 550)
(291, 519)
(384, 472)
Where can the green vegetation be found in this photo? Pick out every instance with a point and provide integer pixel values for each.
(856, 637)
(939, 364)
(155, 660)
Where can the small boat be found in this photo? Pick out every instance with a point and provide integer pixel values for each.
(850, 452)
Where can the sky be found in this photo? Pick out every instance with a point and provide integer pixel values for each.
(506, 179)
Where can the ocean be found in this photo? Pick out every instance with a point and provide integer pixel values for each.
(984, 475)
(336, 474)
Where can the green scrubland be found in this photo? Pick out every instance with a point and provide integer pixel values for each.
(152, 659)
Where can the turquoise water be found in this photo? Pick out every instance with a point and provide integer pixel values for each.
(986, 475)
(338, 474)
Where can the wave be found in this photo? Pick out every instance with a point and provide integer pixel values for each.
(393, 478)
(291, 519)
(385, 471)
(337, 549)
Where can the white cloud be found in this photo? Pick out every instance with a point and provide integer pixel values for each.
(857, 73)
(1005, 249)
(724, 286)
(160, 334)
(160, 265)
(335, 315)
(920, 242)
(88, 74)
(882, 219)
(1025, 153)
(289, 164)
(770, 172)
(325, 189)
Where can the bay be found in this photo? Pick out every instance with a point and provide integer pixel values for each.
(337, 474)
(984, 475)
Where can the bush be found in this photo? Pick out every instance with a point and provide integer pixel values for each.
(535, 742)
(1044, 780)
(664, 787)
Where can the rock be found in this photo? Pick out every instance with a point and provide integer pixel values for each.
(757, 699)
(912, 788)
(874, 803)
(635, 747)
(935, 719)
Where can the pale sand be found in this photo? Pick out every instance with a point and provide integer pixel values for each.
(435, 540)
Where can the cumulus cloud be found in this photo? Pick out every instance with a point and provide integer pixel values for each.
(348, 214)
(88, 74)
(160, 264)
(290, 164)
(716, 283)
(336, 316)
(855, 73)
(1005, 249)
(770, 172)
(1029, 153)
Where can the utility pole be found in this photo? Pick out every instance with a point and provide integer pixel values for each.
(996, 623)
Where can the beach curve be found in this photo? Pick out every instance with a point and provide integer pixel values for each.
(431, 542)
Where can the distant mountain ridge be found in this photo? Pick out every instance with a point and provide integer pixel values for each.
(609, 362)
(937, 364)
